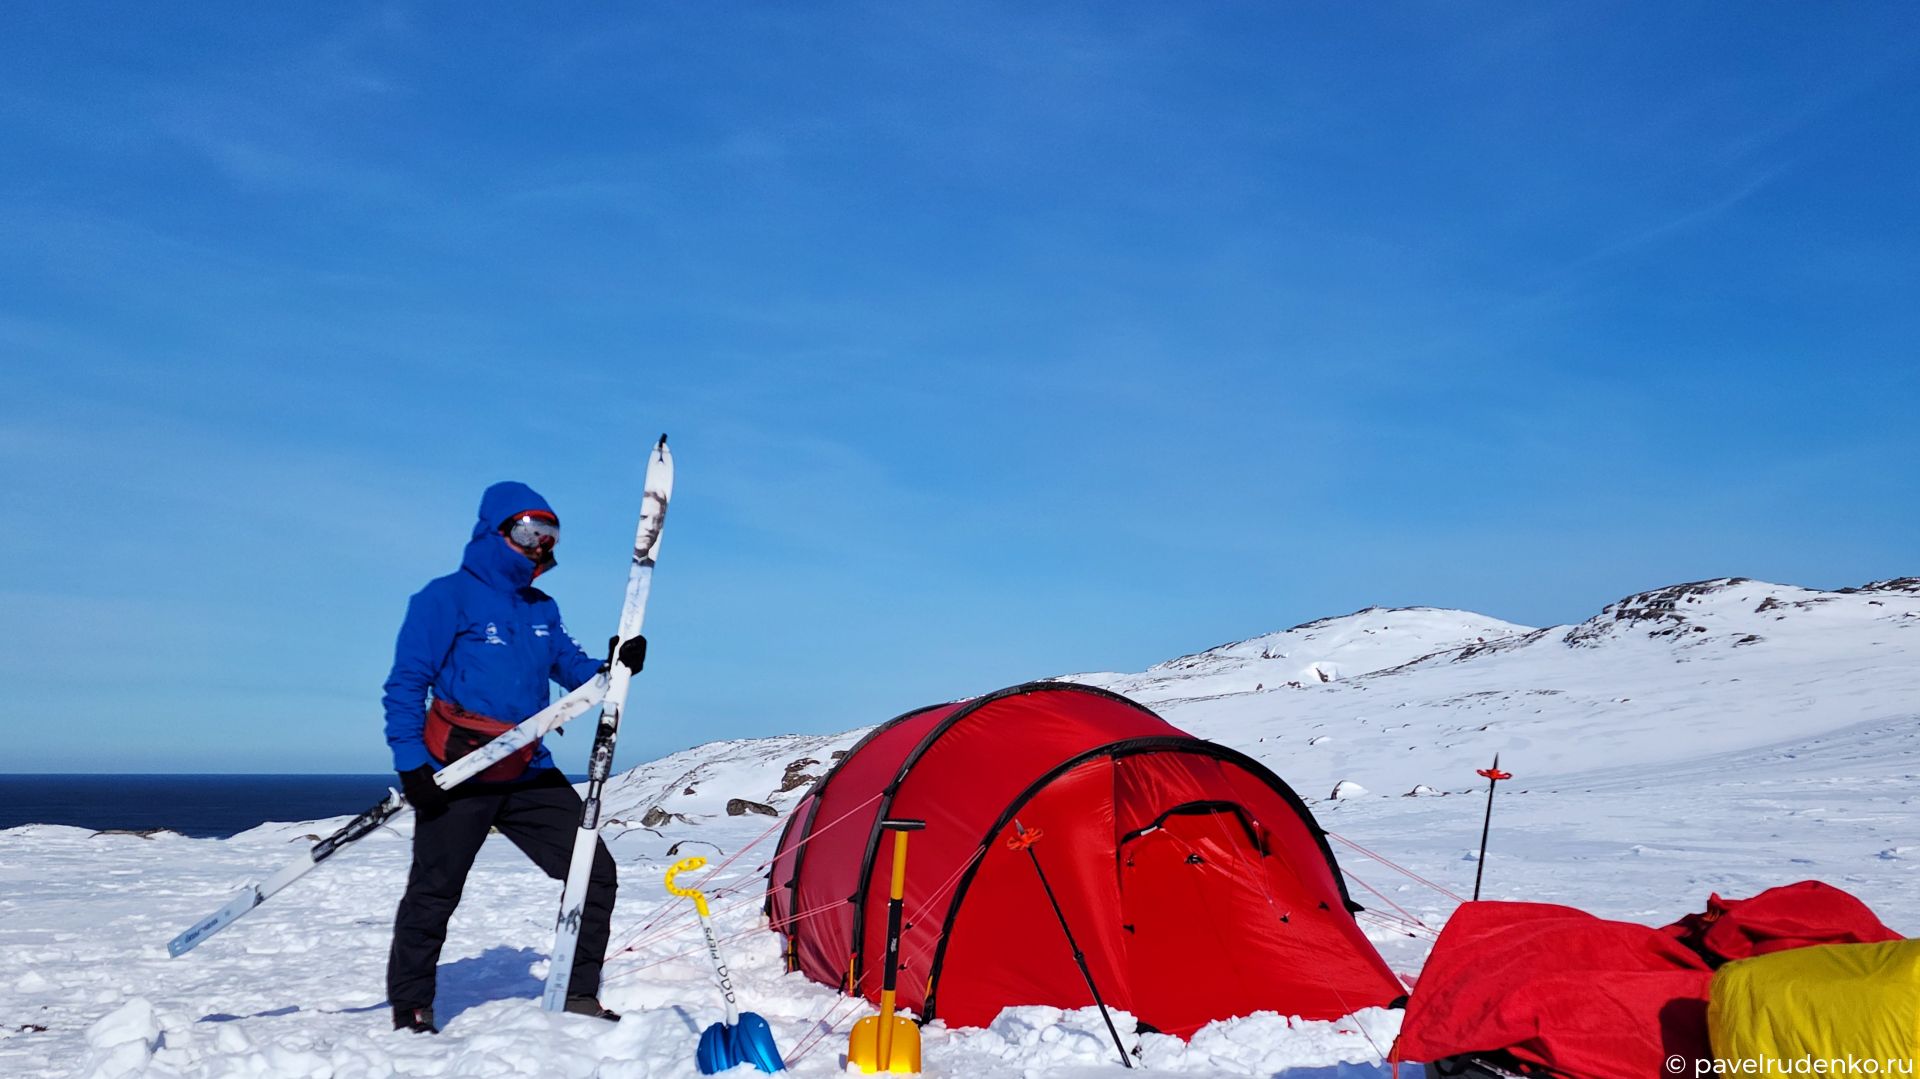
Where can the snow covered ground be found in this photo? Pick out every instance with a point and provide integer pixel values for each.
(1722, 736)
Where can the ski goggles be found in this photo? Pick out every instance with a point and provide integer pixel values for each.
(532, 532)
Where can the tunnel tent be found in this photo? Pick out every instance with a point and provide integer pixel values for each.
(1195, 881)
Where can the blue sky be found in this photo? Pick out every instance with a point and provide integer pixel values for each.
(995, 340)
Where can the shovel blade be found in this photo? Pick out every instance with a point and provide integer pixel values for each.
(750, 1041)
(863, 1048)
(715, 1054)
(753, 1043)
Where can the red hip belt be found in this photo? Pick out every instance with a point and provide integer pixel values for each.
(453, 732)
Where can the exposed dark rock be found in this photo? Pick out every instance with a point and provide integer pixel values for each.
(1661, 607)
(143, 833)
(656, 817)
(740, 807)
(797, 775)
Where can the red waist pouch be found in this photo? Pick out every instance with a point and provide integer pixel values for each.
(453, 732)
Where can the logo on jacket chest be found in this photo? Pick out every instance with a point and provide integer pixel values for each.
(540, 629)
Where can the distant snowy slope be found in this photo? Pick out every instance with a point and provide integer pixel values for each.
(699, 784)
(1387, 699)
(1661, 676)
(1325, 650)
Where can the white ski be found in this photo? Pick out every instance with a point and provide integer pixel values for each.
(573, 899)
(523, 734)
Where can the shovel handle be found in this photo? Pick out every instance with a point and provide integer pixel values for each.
(688, 865)
(900, 827)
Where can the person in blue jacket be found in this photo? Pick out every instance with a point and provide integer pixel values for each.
(474, 657)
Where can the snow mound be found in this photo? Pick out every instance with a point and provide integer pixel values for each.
(122, 1042)
(1268, 1044)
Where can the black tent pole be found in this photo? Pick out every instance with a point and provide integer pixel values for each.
(1024, 840)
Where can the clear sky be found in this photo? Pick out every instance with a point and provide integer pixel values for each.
(995, 341)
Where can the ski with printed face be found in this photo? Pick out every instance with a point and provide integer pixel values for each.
(573, 899)
(541, 723)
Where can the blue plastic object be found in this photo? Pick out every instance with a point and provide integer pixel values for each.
(750, 1041)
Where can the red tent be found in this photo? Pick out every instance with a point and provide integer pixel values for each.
(1195, 881)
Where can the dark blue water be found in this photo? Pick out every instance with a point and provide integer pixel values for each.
(196, 805)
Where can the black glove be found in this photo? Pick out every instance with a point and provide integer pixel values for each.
(423, 794)
(633, 654)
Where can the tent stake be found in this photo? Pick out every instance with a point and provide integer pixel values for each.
(1494, 776)
(1024, 840)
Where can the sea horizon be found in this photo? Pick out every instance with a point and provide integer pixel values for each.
(196, 804)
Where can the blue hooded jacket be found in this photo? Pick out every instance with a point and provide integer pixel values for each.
(482, 637)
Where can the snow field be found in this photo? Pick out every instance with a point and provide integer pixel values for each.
(296, 988)
(1727, 737)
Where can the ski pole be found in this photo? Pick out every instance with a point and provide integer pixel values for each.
(1494, 776)
(1024, 840)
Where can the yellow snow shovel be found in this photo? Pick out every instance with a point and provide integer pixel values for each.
(889, 1042)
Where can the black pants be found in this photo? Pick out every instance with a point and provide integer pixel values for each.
(541, 816)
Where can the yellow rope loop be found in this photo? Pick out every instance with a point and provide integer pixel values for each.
(688, 865)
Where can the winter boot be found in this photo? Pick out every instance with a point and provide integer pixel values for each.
(418, 1020)
(591, 1006)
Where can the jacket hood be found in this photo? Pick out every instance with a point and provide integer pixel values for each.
(488, 555)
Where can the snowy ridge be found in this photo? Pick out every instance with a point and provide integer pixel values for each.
(1723, 735)
(1699, 668)
(1324, 650)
